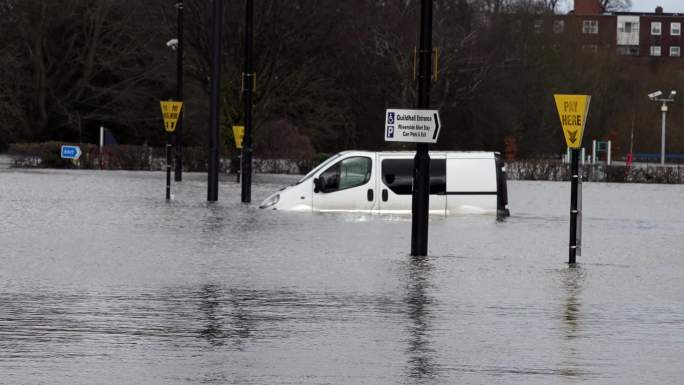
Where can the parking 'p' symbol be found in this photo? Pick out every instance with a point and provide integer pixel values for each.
(390, 131)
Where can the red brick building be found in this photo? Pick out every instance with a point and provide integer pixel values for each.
(656, 34)
(587, 7)
(661, 34)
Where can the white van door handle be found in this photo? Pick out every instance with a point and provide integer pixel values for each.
(370, 195)
(384, 195)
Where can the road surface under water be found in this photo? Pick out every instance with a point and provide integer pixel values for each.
(103, 282)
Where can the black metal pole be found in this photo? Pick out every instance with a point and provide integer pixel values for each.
(215, 99)
(248, 79)
(168, 168)
(574, 154)
(178, 175)
(421, 162)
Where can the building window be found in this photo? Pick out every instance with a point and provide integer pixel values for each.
(655, 50)
(656, 28)
(538, 26)
(558, 26)
(590, 26)
(675, 29)
(592, 48)
(628, 50)
(630, 27)
(675, 51)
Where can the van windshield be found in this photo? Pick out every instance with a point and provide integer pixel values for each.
(319, 167)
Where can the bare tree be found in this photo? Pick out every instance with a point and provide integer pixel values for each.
(14, 79)
(296, 67)
(90, 62)
(551, 5)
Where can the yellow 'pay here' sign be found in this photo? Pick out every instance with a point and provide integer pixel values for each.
(238, 134)
(573, 111)
(171, 113)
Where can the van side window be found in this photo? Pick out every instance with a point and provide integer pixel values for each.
(348, 173)
(397, 175)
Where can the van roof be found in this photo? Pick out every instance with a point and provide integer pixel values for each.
(449, 154)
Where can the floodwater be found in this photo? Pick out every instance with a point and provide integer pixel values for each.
(103, 282)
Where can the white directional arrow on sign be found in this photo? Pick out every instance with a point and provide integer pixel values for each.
(414, 126)
(70, 152)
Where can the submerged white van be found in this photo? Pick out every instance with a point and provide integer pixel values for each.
(382, 182)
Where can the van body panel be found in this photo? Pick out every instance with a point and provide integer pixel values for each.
(471, 175)
(294, 198)
(471, 183)
(396, 183)
(382, 182)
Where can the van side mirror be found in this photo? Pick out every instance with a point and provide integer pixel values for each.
(317, 185)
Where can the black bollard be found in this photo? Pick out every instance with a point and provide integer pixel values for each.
(574, 210)
(168, 170)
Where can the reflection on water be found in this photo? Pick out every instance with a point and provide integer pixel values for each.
(572, 279)
(213, 333)
(420, 352)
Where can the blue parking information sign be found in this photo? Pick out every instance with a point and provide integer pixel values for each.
(70, 152)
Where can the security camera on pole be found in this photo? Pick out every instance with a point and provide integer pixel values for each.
(656, 97)
(573, 111)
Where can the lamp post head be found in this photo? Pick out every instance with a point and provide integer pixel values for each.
(654, 95)
(673, 93)
(173, 44)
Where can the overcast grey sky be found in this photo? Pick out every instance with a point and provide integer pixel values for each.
(669, 6)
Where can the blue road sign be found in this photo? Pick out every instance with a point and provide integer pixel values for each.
(71, 152)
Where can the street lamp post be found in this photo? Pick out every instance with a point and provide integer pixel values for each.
(420, 209)
(656, 97)
(248, 91)
(215, 99)
(178, 175)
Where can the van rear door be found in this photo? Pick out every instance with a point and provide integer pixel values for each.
(471, 183)
(396, 183)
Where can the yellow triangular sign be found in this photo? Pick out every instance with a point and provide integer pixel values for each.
(573, 111)
(238, 134)
(171, 112)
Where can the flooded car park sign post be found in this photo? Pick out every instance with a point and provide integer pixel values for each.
(573, 111)
(420, 126)
(238, 136)
(248, 88)
(170, 112)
